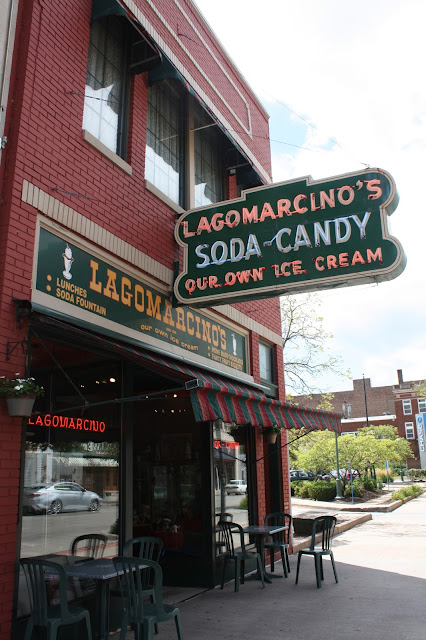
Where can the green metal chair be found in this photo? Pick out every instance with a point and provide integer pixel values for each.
(324, 525)
(144, 616)
(90, 546)
(227, 530)
(279, 540)
(41, 576)
(146, 546)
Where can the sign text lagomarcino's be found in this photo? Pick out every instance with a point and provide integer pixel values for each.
(290, 237)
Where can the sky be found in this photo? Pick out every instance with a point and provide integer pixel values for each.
(344, 83)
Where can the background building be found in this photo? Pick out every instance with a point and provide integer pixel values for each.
(396, 405)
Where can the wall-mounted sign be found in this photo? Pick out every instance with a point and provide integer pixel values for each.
(68, 273)
(421, 437)
(289, 238)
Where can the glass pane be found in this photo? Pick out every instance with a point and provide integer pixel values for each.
(266, 362)
(208, 159)
(230, 472)
(164, 160)
(104, 82)
(71, 474)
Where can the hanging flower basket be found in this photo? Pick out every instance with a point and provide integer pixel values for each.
(20, 395)
(271, 434)
(20, 406)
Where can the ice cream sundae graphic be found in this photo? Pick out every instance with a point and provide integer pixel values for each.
(68, 260)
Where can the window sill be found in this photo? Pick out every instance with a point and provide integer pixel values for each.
(161, 196)
(97, 144)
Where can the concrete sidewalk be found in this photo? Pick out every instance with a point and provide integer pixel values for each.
(381, 566)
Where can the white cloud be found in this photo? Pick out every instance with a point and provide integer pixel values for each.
(355, 71)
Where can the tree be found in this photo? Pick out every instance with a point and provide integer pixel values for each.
(421, 389)
(372, 447)
(306, 357)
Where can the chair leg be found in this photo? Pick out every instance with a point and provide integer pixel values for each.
(272, 559)
(322, 568)
(333, 565)
(287, 560)
(242, 570)
(299, 556)
(29, 629)
(178, 625)
(318, 570)
(148, 629)
(237, 574)
(223, 573)
(88, 627)
(283, 560)
(260, 568)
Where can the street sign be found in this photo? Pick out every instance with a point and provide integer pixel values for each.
(290, 237)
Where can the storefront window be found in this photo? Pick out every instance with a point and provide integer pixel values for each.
(230, 472)
(72, 457)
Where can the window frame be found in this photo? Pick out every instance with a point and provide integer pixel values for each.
(421, 401)
(405, 405)
(127, 37)
(271, 384)
(409, 426)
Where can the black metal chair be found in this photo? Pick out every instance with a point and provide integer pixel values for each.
(323, 526)
(280, 540)
(90, 546)
(47, 584)
(136, 611)
(227, 530)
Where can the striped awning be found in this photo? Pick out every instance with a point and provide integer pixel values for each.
(214, 397)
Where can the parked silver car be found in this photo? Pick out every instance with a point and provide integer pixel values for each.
(236, 487)
(59, 496)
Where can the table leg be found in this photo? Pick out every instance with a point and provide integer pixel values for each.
(102, 611)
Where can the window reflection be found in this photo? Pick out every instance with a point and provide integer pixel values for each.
(230, 472)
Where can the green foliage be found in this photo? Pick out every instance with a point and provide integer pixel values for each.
(383, 477)
(417, 475)
(114, 528)
(323, 491)
(413, 491)
(244, 503)
(17, 387)
(356, 489)
(326, 402)
(301, 488)
(368, 484)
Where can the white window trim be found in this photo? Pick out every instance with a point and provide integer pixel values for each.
(409, 425)
(406, 413)
(419, 402)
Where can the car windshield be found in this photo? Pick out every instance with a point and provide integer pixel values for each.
(235, 482)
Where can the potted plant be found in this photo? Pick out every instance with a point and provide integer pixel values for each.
(20, 395)
(271, 433)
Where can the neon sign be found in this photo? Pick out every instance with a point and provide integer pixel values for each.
(63, 422)
(290, 237)
(218, 444)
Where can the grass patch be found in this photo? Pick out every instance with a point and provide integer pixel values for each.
(414, 491)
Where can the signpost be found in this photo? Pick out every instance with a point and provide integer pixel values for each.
(290, 237)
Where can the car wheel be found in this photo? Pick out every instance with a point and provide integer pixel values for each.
(94, 505)
(55, 507)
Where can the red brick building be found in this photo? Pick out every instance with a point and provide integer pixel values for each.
(119, 116)
(396, 405)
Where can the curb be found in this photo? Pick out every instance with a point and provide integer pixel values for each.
(340, 528)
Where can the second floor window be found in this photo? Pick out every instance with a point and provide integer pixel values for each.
(164, 160)
(406, 407)
(267, 368)
(105, 103)
(422, 405)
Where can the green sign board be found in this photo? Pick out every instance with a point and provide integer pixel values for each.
(290, 237)
(68, 273)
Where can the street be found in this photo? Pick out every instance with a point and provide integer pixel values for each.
(43, 534)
